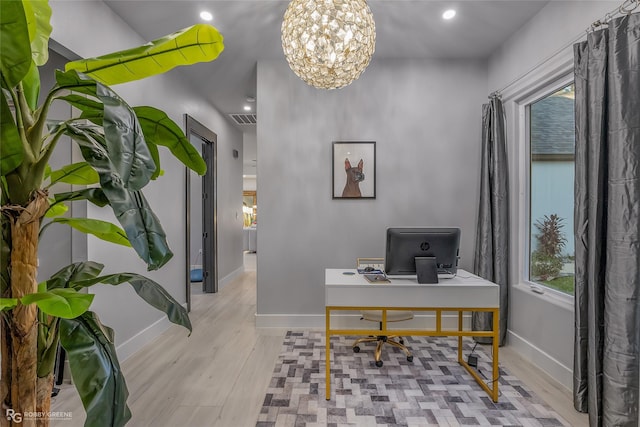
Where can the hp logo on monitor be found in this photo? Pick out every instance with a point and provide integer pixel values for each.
(425, 246)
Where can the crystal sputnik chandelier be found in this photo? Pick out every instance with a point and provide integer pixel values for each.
(328, 43)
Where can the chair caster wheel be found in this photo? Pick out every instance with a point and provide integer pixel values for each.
(401, 341)
(379, 363)
(409, 358)
(356, 349)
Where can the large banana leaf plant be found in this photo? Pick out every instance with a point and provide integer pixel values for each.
(120, 146)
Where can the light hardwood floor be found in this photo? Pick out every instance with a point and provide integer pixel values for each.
(218, 376)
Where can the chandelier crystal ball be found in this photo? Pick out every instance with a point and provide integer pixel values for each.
(328, 43)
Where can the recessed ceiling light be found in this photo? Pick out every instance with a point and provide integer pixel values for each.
(206, 16)
(247, 108)
(449, 14)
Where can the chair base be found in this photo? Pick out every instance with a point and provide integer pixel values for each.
(393, 340)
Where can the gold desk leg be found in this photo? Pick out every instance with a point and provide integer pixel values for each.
(489, 386)
(460, 312)
(496, 342)
(328, 353)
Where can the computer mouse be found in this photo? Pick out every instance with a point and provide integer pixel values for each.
(369, 268)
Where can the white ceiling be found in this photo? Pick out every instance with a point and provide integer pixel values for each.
(251, 30)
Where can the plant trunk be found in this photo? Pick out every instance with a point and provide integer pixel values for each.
(25, 226)
(5, 374)
(45, 386)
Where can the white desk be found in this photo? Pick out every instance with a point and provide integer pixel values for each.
(465, 292)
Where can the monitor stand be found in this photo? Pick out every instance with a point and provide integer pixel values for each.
(427, 270)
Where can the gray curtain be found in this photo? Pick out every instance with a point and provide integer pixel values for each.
(492, 240)
(607, 224)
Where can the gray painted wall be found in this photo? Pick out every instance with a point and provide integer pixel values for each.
(425, 117)
(555, 27)
(134, 321)
(250, 147)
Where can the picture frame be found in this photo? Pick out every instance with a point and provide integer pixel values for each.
(353, 170)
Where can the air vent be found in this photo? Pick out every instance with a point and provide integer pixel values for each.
(244, 119)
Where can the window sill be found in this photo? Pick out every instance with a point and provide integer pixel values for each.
(555, 298)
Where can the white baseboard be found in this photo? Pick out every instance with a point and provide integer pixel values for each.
(292, 321)
(561, 373)
(229, 278)
(142, 338)
(352, 321)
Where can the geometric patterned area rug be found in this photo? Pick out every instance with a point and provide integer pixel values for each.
(433, 390)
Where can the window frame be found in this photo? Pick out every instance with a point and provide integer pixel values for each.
(523, 106)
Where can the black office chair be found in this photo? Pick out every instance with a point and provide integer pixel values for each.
(394, 340)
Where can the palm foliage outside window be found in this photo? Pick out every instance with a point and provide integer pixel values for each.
(552, 152)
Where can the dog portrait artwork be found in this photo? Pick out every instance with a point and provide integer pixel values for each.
(353, 170)
(354, 177)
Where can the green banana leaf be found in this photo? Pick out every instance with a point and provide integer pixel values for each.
(77, 82)
(94, 195)
(75, 272)
(125, 141)
(155, 155)
(95, 370)
(11, 151)
(31, 86)
(15, 55)
(8, 303)
(48, 341)
(38, 16)
(64, 303)
(101, 229)
(199, 43)
(80, 173)
(91, 109)
(159, 129)
(123, 137)
(131, 208)
(150, 291)
(56, 210)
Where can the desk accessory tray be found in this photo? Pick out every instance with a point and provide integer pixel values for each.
(377, 278)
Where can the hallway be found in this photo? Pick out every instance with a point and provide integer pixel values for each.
(215, 377)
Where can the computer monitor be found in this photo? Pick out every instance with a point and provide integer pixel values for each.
(436, 248)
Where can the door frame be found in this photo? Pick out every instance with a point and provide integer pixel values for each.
(209, 207)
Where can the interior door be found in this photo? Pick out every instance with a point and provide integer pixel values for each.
(209, 221)
(201, 211)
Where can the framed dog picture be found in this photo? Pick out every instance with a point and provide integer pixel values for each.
(354, 169)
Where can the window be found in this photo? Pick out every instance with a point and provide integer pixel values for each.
(552, 158)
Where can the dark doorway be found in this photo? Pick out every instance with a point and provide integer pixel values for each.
(201, 214)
